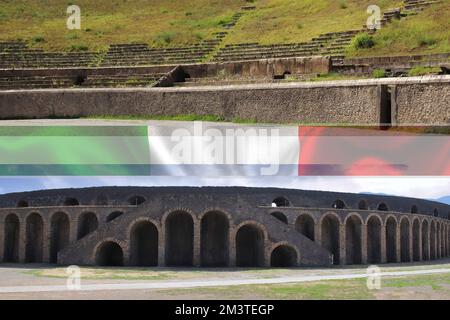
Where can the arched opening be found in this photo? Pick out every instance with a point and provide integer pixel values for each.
(374, 240)
(283, 256)
(12, 236)
(305, 225)
(391, 240)
(34, 238)
(425, 241)
(214, 239)
(113, 216)
(330, 236)
(179, 239)
(101, 200)
(442, 240)
(438, 240)
(250, 246)
(144, 244)
(353, 240)
(71, 202)
(338, 204)
(405, 255)
(435, 212)
(383, 207)
(87, 223)
(432, 240)
(363, 205)
(136, 200)
(414, 209)
(59, 234)
(280, 216)
(22, 204)
(280, 202)
(109, 254)
(416, 240)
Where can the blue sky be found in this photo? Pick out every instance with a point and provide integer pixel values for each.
(419, 187)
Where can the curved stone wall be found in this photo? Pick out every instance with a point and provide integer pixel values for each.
(219, 227)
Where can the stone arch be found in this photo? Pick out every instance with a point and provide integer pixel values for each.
(432, 240)
(329, 227)
(405, 255)
(416, 240)
(113, 215)
(283, 256)
(11, 238)
(374, 224)
(425, 240)
(391, 239)
(382, 207)
(435, 212)
(109, 253)
(363, 205)
(59, 234)
(214, 238)
(250, 239)
(281, 202)
(414, 209)
(179, 234)
(69, 202)
(144, 243)
(305, 225)
(34, 238)
(338, 204)
(87, 223)
(22, 204)
(280, 216)
(136, 200)
(353, 239)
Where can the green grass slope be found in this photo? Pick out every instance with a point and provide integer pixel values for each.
(165, 23)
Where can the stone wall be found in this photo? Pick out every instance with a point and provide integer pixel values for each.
(341, 102)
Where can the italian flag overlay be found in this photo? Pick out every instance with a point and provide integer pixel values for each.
(206, 149)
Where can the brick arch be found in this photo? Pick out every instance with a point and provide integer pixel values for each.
(330, 234)
(102, 242)
(144, 237)
(168, 212)
(288, 261)
(391, 238)
(34, 237)
(218, 209)
(386, 217)
(12, 237)
(281, 201)
(280, 216)
(215, 228)
(353, 238)
(330, 213)
(59, 233)
(179, 249)
(374, 225)
(353, 214)
(306, 229)
(250, 238)
(363, 204)
(87, 222)
(255, 223)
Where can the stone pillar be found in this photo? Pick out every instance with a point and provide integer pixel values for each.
(22, 240)
(364, 243)
(398, 243)
(410, 241)
(383, 244)
(46, 238)
(162, 248)
(196, 260)
(342, 253)
(420, 243)
(317, 234)
(232, 247)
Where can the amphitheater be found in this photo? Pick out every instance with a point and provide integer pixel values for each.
(219, 227)
(249, 81)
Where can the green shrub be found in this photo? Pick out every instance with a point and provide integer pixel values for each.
(79, 47)
(164, 37)
(38, 39)
(379, 73)
(343, 4)
(363, 41)
(421, 71)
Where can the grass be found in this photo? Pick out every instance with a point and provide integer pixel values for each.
(421, 71)
(425, 33)
(158, 23)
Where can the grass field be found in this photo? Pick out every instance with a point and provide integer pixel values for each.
(425, 33)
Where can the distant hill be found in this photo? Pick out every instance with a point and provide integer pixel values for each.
(445, 199)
